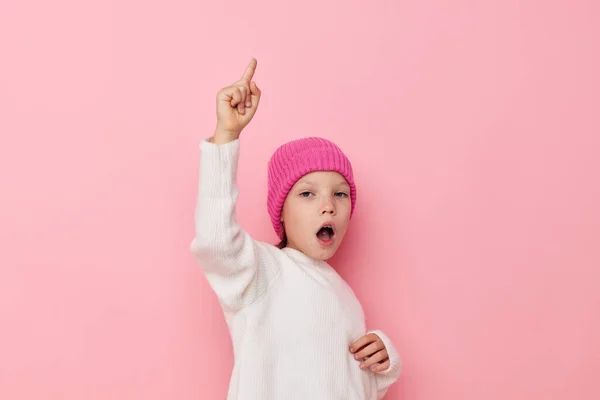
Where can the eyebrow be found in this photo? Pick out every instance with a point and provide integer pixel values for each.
(340, 183)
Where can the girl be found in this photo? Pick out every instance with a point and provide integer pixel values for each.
(298, 331)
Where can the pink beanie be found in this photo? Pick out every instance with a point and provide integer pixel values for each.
(292, 161)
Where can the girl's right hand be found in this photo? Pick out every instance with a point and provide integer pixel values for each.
(236, 105)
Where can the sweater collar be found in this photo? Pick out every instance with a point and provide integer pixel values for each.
(302, 258)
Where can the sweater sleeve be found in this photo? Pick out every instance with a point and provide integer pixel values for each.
(238, 268)
(390, 375)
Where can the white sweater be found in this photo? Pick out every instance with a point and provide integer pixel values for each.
(291, 318)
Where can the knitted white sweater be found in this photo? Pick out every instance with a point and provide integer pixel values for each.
(291, 318)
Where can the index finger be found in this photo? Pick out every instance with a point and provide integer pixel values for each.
(249, 73)
(363, 341)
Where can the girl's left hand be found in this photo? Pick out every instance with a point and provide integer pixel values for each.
(371, 350)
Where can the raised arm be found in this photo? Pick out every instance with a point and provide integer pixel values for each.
(238, 268)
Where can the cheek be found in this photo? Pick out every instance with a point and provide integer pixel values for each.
(294, 216)
(343, 227)
(344, 209)
(344, 214)
(296, 222)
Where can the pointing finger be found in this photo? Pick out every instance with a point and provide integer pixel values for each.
(249, 73)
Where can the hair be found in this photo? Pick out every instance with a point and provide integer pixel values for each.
(283, 242)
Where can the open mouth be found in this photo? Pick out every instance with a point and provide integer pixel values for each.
(326, 232)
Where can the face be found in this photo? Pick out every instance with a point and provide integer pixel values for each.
(316, 214)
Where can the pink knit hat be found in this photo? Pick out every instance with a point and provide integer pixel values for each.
(292, 161)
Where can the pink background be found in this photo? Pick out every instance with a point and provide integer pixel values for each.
(473, 128)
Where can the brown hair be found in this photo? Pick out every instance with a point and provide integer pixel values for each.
(283, 242)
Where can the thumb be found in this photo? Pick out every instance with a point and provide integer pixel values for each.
(255, 94)
(254, 89)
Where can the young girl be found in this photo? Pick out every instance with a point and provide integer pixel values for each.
(298, 331)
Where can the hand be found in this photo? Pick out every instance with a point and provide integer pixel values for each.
(236, 105)
(372, 353)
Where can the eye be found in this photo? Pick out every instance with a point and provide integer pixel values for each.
(341, 194)
(305, 193)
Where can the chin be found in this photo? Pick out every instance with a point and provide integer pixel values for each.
(324, 253)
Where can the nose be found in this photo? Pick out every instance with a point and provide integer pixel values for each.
(328, 207)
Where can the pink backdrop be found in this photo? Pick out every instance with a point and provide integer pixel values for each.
(473, 128)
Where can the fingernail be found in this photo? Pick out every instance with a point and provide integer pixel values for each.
(356, 356)
(362, 366)
(352, 349)
(373, 368)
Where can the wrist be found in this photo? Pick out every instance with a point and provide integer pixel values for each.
(223, 136)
